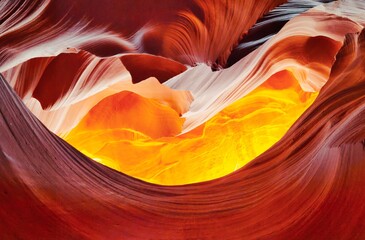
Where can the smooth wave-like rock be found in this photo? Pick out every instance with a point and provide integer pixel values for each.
(69, 78)
(143, 66)
(120, 111)
(177, 29)
(269, 25)
(263, 115)
(308, 186)
(306, 46)
(64, 118)
(86, 84)
(123, 140)
(60, 90)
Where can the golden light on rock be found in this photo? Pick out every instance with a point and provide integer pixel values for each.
(140, 136)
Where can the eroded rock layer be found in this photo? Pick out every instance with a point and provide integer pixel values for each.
(101, 108)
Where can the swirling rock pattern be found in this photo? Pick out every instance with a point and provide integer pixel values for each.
(308, 185)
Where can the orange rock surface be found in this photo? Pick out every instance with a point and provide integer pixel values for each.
(138, 136)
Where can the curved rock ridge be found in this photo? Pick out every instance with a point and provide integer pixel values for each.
(143, 66)
(293, 190)
(306, 46)
(211, 90)
(90, 76)
(177, 29)
(61, 97)
(63, 119)
(116, 112)
(269, 25)
(272, 147)
(269, 102)
(129, 138)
